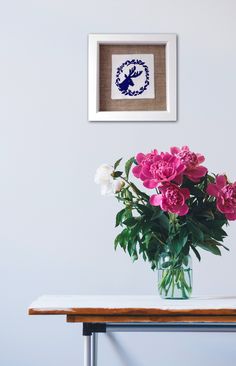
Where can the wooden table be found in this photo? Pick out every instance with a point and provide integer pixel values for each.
(138, 313)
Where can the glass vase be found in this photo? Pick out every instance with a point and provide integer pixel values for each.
(175, 276)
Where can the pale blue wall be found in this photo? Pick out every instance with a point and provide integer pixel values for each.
(56, 231)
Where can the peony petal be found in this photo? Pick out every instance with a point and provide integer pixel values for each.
(183, 210)
(200, 158)
(155, 199)
(223, 208)
(221, 181)
(196, 173)
(139, 158)
(168, 179)
(174, 150)
(164, 205)
(201, 171)
(146, 172)
(167, 157)
(212, 190)
(136, 171)
(103, 173)
(175, 209)
(107, 189)
(181, 168)
(185, 192)
(150, 183)
(185, 148)
(230, 216)
(157, 158)
(142, 176)
(179, 179)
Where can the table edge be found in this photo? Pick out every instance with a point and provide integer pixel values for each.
(129, 311)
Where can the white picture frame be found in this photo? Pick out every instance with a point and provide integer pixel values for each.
(94, 42)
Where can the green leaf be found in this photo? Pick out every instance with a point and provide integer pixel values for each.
(214, 242)
(140, 193)
(117, 174)
(128, 194)
(132, 221)
(204, 228)
(154, 250)
(136, 228)
(163, 222)
(145, 240)
(117, 163)
(210, 248)
(208, 214)
(197, 234)
(119, 240)
(157, 213)
(218, 234)
(122, 239)
(185, 260)
(145, 210)
(177, 243)
(119, 217)
(196, 252)
(221, 245)
(128, 165)
(132, 250)
(197, 192)
(166, 264)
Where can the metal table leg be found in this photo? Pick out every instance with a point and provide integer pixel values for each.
(90, 333)
(94, 349)
(87, 350)
(91, 330)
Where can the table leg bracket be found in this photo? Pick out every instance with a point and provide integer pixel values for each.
(90, 328)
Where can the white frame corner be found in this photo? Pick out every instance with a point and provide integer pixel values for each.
(94, 41)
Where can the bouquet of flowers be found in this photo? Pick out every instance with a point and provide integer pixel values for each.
(185, 211)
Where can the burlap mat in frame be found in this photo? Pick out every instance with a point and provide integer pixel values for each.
(108, 104)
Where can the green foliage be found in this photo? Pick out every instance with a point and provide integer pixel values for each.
(117, 163)
(117, 174)
(128, 165)
(149, 232)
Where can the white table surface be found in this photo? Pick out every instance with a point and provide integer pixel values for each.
(68, 302)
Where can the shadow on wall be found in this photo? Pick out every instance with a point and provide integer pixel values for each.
(126, 358)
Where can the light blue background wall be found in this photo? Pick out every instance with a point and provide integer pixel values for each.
(56, 230)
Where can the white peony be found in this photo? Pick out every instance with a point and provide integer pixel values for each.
(109, 185)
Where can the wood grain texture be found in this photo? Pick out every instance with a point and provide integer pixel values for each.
(140, 308)
(130, 311)
(105, 66)
(135, 309)
(150, 319)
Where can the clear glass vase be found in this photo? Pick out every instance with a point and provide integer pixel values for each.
(175, 276)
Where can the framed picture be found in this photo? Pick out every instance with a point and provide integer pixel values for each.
(132, 77)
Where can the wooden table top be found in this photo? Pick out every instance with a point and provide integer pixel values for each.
(88, 308)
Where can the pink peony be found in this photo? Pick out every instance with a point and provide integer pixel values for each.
(194, 171)
(158, 169)
(143, 159)
(225, 194)
(171, 199)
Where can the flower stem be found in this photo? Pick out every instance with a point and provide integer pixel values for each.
(175, 283)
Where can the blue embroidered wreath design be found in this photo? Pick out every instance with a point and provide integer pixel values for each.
(124, 89)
